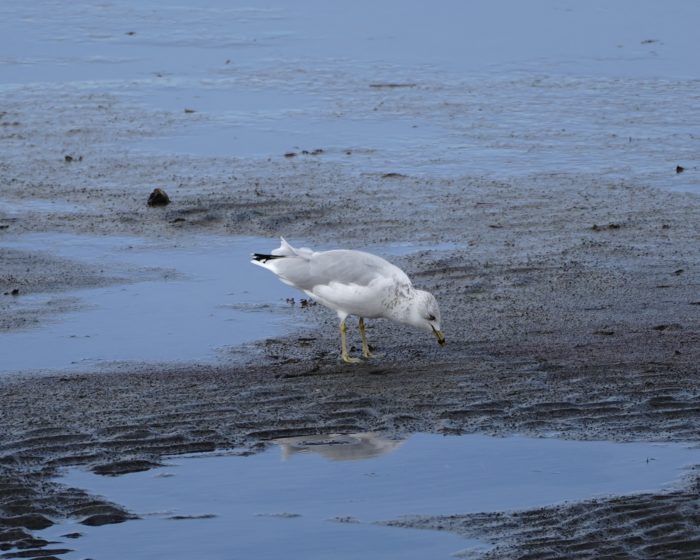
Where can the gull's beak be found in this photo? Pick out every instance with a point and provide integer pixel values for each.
(438, 334)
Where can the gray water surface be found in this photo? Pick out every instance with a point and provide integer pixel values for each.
(501, 89)
(321, 496)
(187, 300)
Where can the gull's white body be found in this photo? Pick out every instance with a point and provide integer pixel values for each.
(354, 283)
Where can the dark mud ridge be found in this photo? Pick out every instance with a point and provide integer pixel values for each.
(638, 526)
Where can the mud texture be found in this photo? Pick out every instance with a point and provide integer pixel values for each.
(637, 526)
(571, 306)
(28, 273)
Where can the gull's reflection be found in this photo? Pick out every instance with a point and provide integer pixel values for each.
(340, 447)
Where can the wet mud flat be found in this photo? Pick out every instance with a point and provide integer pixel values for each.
(556, 328)
(520, 196)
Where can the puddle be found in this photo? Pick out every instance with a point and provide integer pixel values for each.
(320, 497)
(189, 301)
(185, 301)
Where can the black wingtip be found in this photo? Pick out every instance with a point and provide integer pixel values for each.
(264, 258)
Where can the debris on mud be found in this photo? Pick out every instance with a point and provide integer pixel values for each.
(158, 198)
(392, 85)
(611, 226)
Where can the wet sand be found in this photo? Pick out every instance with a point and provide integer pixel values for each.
(570, 306)
(570, 292)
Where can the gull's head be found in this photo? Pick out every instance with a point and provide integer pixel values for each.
(425, 314)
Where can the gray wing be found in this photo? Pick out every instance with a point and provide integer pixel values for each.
(342, 266)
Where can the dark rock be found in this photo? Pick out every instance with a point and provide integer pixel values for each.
(72, 535)
(680, 169)
(158, 198)
(290, 154)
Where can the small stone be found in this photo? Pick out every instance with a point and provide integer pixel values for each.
(158, 198)
(680, 169)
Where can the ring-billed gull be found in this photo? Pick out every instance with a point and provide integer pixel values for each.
(354, 283)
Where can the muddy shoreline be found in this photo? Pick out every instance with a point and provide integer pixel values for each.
(570, 302)
(570, 306)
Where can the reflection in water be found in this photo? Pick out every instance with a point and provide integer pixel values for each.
(340, 447)
(266, 508)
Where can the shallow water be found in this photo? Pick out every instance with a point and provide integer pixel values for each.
(291, 501)
(187, 300)
(498, 89)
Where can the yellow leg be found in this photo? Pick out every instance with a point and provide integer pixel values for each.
(365, 347)
(344, 345)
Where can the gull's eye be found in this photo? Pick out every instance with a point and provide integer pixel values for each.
(431, 317)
